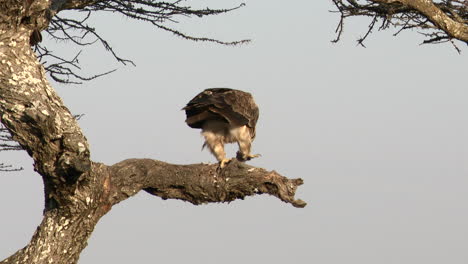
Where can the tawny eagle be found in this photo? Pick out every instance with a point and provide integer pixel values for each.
(225, 116)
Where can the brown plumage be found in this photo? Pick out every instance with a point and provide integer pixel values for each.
(225, 116)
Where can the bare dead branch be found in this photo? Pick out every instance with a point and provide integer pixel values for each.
(8, 168)
(7, 144)
(77, 31)
(371, 26)
(6, 141)
(63, 70)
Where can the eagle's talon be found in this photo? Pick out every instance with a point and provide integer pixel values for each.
(223, 163)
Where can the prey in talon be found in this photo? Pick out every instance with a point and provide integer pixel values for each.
(225, 116)
(242, 157)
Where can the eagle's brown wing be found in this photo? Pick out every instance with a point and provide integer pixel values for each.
(235, 107)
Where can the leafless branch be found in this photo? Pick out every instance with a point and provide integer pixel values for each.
(64, 70)
(403, 15)
(78, 32)
(6, 144)
(8, 168)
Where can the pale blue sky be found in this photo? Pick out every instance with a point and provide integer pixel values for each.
(378, 134)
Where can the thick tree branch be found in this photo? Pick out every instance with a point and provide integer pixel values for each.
(73, 4)
(439, 18)
(199, 183)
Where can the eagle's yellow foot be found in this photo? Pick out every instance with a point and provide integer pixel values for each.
(223, 163)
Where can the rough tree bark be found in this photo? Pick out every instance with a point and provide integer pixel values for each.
(78, 191)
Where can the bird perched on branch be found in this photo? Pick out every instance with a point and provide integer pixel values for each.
(225, 116)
